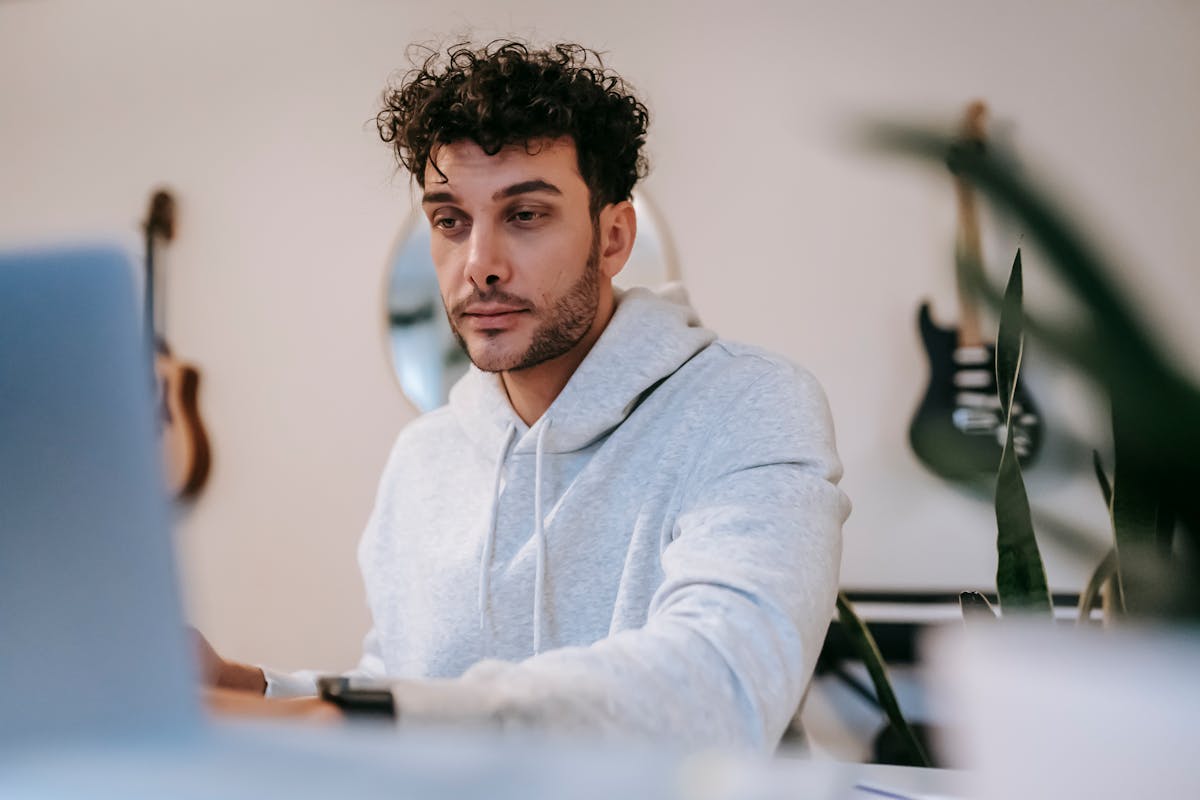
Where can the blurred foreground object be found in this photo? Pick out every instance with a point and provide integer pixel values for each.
(87, 593)
(1045, 714)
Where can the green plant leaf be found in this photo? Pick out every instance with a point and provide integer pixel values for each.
(1135, 516)
(1114, 602)
(868, 651)
(1165, 529)
(1020, 575)
(1108, 570)
(1102, 479)
(1010, 341)
(1091, 593)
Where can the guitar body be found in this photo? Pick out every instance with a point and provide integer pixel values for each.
(185, 449)
(958, 430)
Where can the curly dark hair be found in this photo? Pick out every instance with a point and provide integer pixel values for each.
(505, 93)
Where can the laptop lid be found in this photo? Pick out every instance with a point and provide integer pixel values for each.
(91, 634)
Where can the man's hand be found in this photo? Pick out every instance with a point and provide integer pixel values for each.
(217, 672)
(229, 703)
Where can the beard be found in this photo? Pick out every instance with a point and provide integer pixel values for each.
(562, 326)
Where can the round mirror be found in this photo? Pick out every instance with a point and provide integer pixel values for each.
(426, 358)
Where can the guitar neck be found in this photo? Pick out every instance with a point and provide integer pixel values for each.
(970, 333)
(969, 248)
(160, 224)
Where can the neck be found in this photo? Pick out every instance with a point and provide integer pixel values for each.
(532, 390)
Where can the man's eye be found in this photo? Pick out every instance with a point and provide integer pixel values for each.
(526, 216)
(445, 223)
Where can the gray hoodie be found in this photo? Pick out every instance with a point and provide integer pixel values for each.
(657, 555)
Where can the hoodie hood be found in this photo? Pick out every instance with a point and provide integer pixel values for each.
(650, 336)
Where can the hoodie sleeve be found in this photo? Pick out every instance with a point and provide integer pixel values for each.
(304, 682)
(734, 631)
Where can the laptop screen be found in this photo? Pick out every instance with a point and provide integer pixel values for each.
(91, 635)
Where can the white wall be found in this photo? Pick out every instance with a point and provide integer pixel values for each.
(257, 113)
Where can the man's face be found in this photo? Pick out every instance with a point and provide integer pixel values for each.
(516, 251)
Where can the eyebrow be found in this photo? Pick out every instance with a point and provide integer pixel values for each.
(438, 197)
(524, 187)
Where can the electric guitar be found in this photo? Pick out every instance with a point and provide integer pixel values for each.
(959, 428)
(185, 449)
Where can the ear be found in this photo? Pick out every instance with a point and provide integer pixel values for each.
(618, 229)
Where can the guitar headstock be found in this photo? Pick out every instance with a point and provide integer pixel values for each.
(971, 135)
(160, 219)
(974, 124)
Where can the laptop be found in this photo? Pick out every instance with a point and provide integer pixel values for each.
(89, 615)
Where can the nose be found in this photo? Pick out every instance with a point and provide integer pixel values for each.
(487, 262)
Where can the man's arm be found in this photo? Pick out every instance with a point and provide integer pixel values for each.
(219, 673)
(229, 703)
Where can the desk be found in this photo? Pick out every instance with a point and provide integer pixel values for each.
(257, 761)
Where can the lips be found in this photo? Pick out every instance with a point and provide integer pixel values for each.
(491, 317)
(491, 310)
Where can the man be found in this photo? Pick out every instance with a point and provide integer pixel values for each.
(619, 523)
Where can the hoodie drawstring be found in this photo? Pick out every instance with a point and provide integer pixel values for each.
(489, 543)
(539, 535)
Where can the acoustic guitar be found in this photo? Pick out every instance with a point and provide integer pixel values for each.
(185, 449)
(959, 428)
